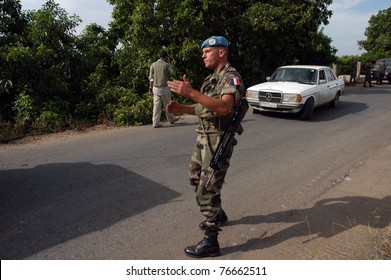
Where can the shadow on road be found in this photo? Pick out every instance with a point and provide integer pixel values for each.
(344, 109)
(325, 219)
(50, 204)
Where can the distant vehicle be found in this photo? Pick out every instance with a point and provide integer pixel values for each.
(296, 89)
(387, 76)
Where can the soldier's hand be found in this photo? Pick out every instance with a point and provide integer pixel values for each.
(181, 87)
(173, 107)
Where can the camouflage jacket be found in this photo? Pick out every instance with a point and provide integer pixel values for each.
(227, 81)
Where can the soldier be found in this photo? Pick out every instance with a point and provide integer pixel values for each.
(368, 75)
(380, 73)
(217, 99)
(353, 73)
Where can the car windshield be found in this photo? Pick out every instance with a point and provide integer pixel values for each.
(387, 62)
(299, 75)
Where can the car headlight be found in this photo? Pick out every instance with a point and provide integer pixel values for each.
(291, 97)
(252, 94)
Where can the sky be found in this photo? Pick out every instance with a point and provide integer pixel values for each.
(346, 26)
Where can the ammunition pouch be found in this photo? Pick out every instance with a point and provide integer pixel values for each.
(218, 123)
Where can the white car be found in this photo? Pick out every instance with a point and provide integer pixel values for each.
(296, 89)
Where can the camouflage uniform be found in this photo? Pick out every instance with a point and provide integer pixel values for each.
(210, 129)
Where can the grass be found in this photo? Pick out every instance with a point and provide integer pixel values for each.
(385, 245)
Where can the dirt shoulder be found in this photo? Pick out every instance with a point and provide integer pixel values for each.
(357, 212)
(41, 139)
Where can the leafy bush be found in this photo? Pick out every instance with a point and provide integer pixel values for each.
(108, 98)
(24, 108)
(134, 111)
(85, 110)
(52, 117)
(48, 121)
(10, 131)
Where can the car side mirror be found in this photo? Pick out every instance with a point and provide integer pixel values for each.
(322, 82)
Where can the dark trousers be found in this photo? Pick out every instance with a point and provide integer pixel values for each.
(380, 79)
(369, 80)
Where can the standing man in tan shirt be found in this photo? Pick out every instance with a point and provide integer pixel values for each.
(159, 73)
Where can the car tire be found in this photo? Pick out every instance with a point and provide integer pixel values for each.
(256, 111)
(334, 103)
(308, 109)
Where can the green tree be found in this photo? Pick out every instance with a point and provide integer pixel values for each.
(50, 76)
(288, 33)
(139, 31)
(262, 34)
(378, 33)
(12, 22)
(12, 31)
(94, 70)
(51, 37)
(39, 54)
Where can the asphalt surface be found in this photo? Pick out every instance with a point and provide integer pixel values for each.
(355, 216)
(348, 220)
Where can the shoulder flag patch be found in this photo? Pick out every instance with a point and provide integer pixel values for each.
(235, 81)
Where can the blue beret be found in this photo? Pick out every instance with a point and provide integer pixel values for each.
(215, 41)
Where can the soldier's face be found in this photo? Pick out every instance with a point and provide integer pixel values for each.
(212, 57)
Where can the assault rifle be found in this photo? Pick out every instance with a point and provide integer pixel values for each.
(228, 140)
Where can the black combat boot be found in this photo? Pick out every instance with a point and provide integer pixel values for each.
(207, 247)
(220, 220)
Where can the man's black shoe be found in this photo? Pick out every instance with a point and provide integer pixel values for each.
(207, 247)
(221, 219)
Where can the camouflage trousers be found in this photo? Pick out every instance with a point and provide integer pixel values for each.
(208, 199)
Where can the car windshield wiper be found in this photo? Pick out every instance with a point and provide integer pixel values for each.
(281, 80)
(306, 82)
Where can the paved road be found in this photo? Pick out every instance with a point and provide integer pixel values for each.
(295, 190)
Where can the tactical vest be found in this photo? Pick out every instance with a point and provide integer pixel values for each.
(213, 86)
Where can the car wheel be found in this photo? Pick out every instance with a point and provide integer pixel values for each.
(334, 103)
(255, 111)
(308, 109)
